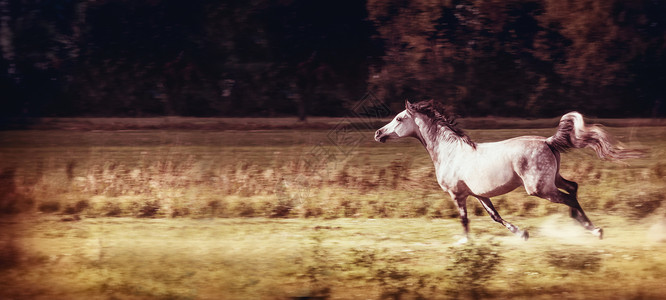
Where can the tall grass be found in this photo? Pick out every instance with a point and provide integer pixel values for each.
(392, 181)
(247, 215)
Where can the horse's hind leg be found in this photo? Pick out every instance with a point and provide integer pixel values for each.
(571, 188)
(577, 212)
(485, 202)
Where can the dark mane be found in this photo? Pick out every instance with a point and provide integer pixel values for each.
(438, 115)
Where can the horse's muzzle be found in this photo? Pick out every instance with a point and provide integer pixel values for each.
(379, 137)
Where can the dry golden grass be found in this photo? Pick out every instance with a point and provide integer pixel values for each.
(281, 174)
(281, 214)
(128, 258)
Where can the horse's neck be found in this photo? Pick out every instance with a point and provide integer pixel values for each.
(441, 148)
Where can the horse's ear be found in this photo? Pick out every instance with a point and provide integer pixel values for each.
(408, 106)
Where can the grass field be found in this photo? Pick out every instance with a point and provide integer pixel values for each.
(275, 214)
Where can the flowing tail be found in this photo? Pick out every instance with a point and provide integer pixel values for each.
(573, 133)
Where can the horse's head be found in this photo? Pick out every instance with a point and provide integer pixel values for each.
(401, 126)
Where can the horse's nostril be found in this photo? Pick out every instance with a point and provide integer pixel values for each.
(379, 137)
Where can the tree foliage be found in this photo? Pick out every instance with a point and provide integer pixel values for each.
(523, 58)
(301, 57)
(166, 57)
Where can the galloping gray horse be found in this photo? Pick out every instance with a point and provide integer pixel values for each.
(465, 168)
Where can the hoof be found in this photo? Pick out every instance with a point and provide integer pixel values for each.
(598, 232)
(525, 235)
(462, 241)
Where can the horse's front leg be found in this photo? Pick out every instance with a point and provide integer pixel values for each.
(485, 202)
(461, 204)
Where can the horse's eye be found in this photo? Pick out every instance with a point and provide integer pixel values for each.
(399, 119)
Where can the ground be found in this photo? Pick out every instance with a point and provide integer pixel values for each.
(122, 258)
(328, 213)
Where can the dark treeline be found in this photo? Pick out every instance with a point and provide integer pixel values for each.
(303, 57)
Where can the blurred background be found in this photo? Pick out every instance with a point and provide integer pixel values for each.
(120, 190)
(276, 58)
